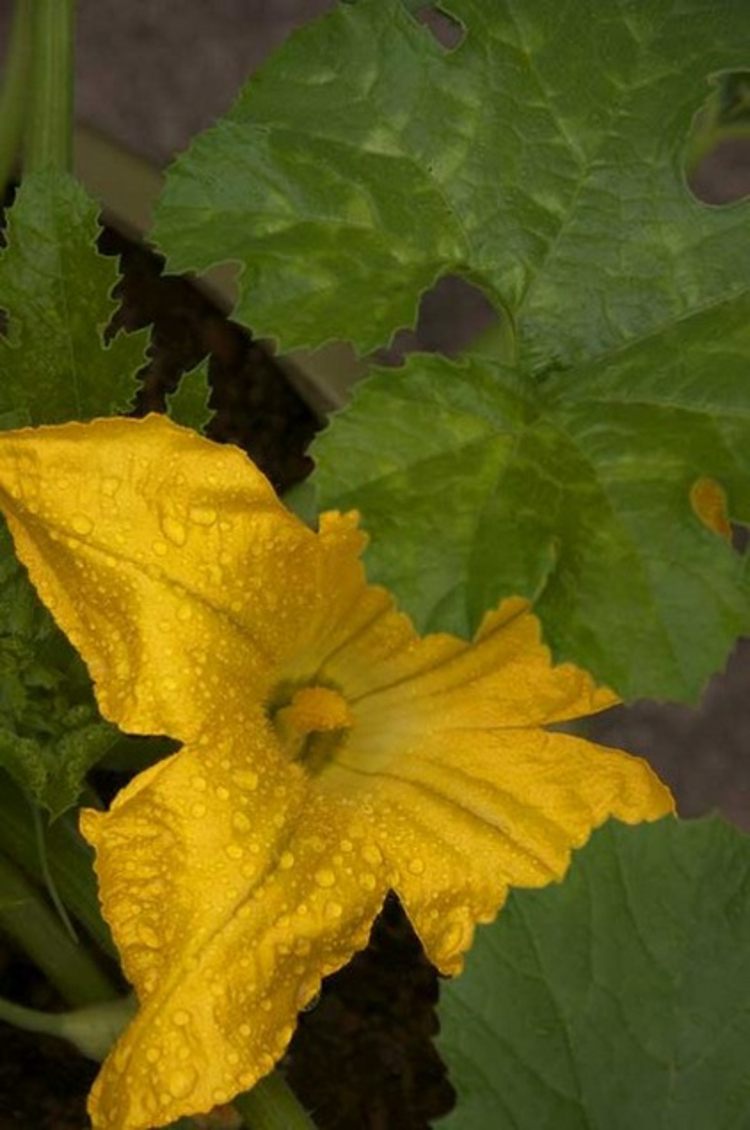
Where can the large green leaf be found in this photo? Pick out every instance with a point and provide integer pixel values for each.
(56, 290)
(617, 1000)
(542, 158)
(574, 492)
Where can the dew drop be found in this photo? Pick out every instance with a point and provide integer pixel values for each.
(110, 485)
(233, 1058)
(202, 515)
(199, 783)
(222, 793)
(153, 1055)
(149, 937)
(181, 1081)
(159, 547)
(372, 853)
(325, 877)
(234, 851)
(81, 524)
(286, 861)
(333, 910)
(246, 779)
(240, 822)
(265, 1004)
(368, 881)
(181, 1017)
(184, 612)
(416, 866)
(245, 1029)
(198, 810)
(174, 530)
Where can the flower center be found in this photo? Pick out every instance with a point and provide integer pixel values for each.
(313, 724)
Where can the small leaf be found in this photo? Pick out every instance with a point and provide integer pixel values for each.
(188, 404)
(56, 290)
(617, 999)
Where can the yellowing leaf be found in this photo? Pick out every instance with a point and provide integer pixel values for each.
(330, 753)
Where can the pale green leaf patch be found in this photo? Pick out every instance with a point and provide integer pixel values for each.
(617, 999)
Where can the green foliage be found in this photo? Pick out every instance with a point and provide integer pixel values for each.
(364, 161)
(56, 288)
(574, 492)
(188, 404)
(617, 999)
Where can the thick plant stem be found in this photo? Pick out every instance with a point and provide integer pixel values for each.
(15, 88)
(272, 1105)
(69, 859)
(26, 918)
(49, 130)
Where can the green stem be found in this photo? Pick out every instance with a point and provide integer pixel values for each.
(69, 858)
(92, 1030)
(49, 136)
(27, 919)
(272, 1105)
(15, 89)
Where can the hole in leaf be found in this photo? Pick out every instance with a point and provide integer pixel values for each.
(447, 30)
(452, 315)
(717, 162)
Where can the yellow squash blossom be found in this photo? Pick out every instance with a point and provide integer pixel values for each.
(328, 753)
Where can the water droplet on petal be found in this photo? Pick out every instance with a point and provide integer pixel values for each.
(368, 881)
(246, 779)
(416, 866)
(81, 524)
(325, 877)
(181, 1081)
(372, 853)
(159, 547)
(202, 515)
(234, 851)
(184, 612)
(110, 485)
(333, 910)
(222, 793)
(181, 1017)
(153, 1055)
(149, 936)
(173, 530)
(198, 810)
(286, 861)
(199, 783)
(240, 822)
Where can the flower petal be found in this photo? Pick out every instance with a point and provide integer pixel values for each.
(157, 552)
(230, 893)
(462, 815)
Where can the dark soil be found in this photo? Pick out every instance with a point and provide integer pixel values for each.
(362, 1058)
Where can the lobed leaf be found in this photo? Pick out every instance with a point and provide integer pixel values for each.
(617, 999)
(576, 492)
(542, 158)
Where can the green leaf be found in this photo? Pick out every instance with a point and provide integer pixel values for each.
(574, 492)
(364, 160)
(188, 404)
(618, 999)
(56, 289)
